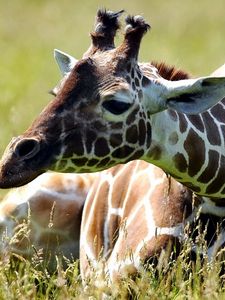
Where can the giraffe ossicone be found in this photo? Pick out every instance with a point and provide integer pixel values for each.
(110, 109)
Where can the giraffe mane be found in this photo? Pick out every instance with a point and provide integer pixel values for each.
(170, 72)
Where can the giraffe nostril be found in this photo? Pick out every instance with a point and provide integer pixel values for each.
(27, 148)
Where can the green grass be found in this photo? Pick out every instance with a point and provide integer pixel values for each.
(189, 34)
(171, 279)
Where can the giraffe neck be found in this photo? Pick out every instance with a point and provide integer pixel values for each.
(189, 148)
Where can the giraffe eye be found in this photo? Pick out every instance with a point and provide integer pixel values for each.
(116, 107)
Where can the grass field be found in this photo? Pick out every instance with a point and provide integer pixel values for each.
(189, 34)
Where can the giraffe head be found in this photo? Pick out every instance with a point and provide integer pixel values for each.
(101, 115)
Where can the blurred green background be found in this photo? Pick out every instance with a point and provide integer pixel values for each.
(189, 34)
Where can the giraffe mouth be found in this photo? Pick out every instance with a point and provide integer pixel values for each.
(24, 162)
(10, 179)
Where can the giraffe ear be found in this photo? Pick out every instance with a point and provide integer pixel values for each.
(65, 61)
(194, 96)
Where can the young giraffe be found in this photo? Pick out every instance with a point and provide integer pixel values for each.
(132, 212)
(45, 215)
(111, 110)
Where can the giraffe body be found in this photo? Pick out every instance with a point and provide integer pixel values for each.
(137, 213)
(132, 214)
(45, 215)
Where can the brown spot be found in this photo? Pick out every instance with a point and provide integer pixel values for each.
(155, 153)
(212, 167)
(62, 165)
(122, 152)
(139, 75)
(197, 122)
(220, 202)
(103, 162)
(140, 94)
(77, 143)
(112, 163)
(118, 125)
(132, 116)
(133, 86)
(149, 134)
(69, 169)
(195, 148)
(95, 230)
(122, 175)
(138, 187)
(113, 229)
(223, 131)
(218, 112)
(98, 125)
(137, 155)
(218, 182)
(182, 123)
(173, 138)
(175, 176)
(172, 114)
(115, 140)
(101, 147)
(79, 161)
(90, 138)
(137, 82)
(180, 162)
(132, 134)
(92, 162)
(128, 79)
(132, 73)
(191, 186)
(212, 131)
(142, 132)
(145, 81)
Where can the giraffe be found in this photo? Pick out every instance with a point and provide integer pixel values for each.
(136, 214)
(131, 214)
(132, 187)
(111, 109)
(44, 216)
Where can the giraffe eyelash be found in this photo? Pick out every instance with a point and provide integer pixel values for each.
(116, 107)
